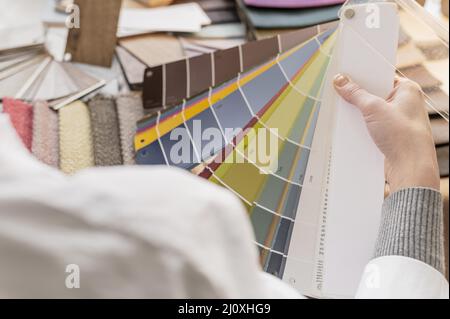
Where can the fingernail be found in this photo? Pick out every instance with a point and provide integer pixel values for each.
(340, 80)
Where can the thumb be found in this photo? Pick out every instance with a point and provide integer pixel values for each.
(354, 94)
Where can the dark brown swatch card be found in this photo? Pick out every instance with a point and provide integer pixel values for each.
(176, 82)
(200, 74)
(257, 52)
(153, 88)
(226, 64)
(187, 78)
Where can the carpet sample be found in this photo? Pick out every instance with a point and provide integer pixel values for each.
(45, 144)
(129, 110)
(21, 115)
(75, 138)
(105, 131)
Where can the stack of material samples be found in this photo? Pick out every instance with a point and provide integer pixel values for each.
(30, 73)
(220, 29)
(268, 17)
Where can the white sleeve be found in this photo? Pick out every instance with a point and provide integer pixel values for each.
(398, 277)
(137, 232)
(277, 289)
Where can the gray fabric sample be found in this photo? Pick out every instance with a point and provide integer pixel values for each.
(412, 226)
(105, 131)
(129, 110)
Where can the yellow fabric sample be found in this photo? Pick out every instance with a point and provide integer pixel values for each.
(76, 147)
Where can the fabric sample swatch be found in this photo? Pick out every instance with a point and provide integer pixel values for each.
(129, 110)
(21, 115)
(265, 18)
(75, 139)
(105, 131)
(95, 44)
(291, 3)
(45, 134)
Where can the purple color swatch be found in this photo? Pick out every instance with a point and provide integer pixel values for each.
(292, 3)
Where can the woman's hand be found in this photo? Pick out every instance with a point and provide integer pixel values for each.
(401, 129)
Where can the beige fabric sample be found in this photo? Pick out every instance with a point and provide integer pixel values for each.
(129, 110)
(76, 148)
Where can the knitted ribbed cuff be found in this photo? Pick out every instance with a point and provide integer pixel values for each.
(412, 226)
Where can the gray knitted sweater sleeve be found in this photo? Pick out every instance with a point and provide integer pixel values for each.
(412, 226)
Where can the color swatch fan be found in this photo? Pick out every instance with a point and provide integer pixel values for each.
(280, 100)
(280, 139)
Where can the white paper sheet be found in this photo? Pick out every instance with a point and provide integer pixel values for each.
(188, 17)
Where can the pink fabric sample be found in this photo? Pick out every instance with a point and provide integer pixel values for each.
(45, 134)
(21, 115)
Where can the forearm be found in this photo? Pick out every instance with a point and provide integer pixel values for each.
(412, 226)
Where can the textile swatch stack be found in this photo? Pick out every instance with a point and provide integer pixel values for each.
(266, 18)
